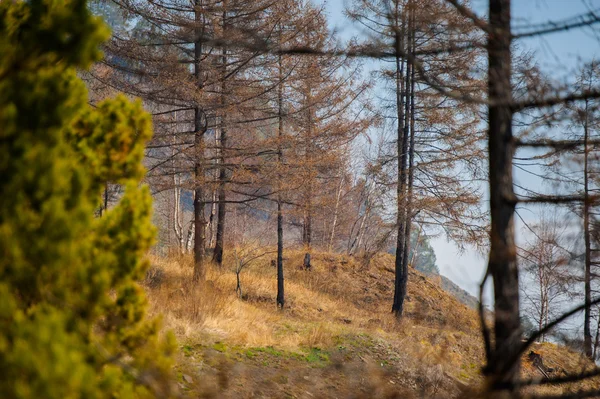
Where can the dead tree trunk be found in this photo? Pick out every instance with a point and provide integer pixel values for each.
(502, 265)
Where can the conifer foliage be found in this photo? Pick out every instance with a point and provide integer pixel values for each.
(72, 317)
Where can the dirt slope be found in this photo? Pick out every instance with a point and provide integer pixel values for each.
(336, 337)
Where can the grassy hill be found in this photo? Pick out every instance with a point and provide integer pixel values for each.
(457, 292)
(336, 338)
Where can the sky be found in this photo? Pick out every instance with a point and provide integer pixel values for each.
(557, 54)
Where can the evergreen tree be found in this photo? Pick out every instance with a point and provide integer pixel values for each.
(72, 319)
(422, 256)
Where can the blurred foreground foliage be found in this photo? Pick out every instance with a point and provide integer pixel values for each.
(72, 316)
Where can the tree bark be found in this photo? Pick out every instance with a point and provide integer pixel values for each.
(218, 252)
(307, 231)
(177, 225)
(210, 228)
(410, 118)
(502, 264)
(335, 212)
(280, 278)
(177, 212)
(199, 129)
(401, 275)
(597, 340)
(587, 334)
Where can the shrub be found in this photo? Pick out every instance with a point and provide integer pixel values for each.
(72, 316)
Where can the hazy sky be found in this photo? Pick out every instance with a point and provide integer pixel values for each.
(557, 54)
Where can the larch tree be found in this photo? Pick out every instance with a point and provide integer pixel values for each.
(436, 137)
(571, 170)
(330, 111)
(587, 117)
(175, 59)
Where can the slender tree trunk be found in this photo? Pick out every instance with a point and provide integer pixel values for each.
(218, 252)
(335, 212)
(189, 239)
(401, 275)
(177, 225)
(199, 129)
(597, 340)
(355, 244)
(587, 334)
(210, 229)
(410, 118)
(280, 278)
(307, 233)
(177, 212)
(361, 228)
(503, 364)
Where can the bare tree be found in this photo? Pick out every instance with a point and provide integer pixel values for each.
(547, 264)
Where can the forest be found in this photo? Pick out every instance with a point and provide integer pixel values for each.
(255, 199)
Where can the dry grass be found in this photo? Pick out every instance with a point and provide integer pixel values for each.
(336, 314)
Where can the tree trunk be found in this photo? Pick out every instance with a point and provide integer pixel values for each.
(199, 129)
(280, 279)
(401, 275)
(177, 212)
(335, 212)
(218, 252)
(597, 340)
(177, 225)
(210, 229)
(190, 234)
(361, 229)
(503, 363)
(307, 233)
(587, 334)
(410, 123)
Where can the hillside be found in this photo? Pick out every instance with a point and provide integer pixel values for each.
(335, 338)
(460, 294)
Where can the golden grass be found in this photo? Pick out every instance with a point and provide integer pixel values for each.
(338, 297)
(333, 305)
(194, 311)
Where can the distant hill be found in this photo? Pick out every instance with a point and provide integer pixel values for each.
(460, 294)
(452, 288)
